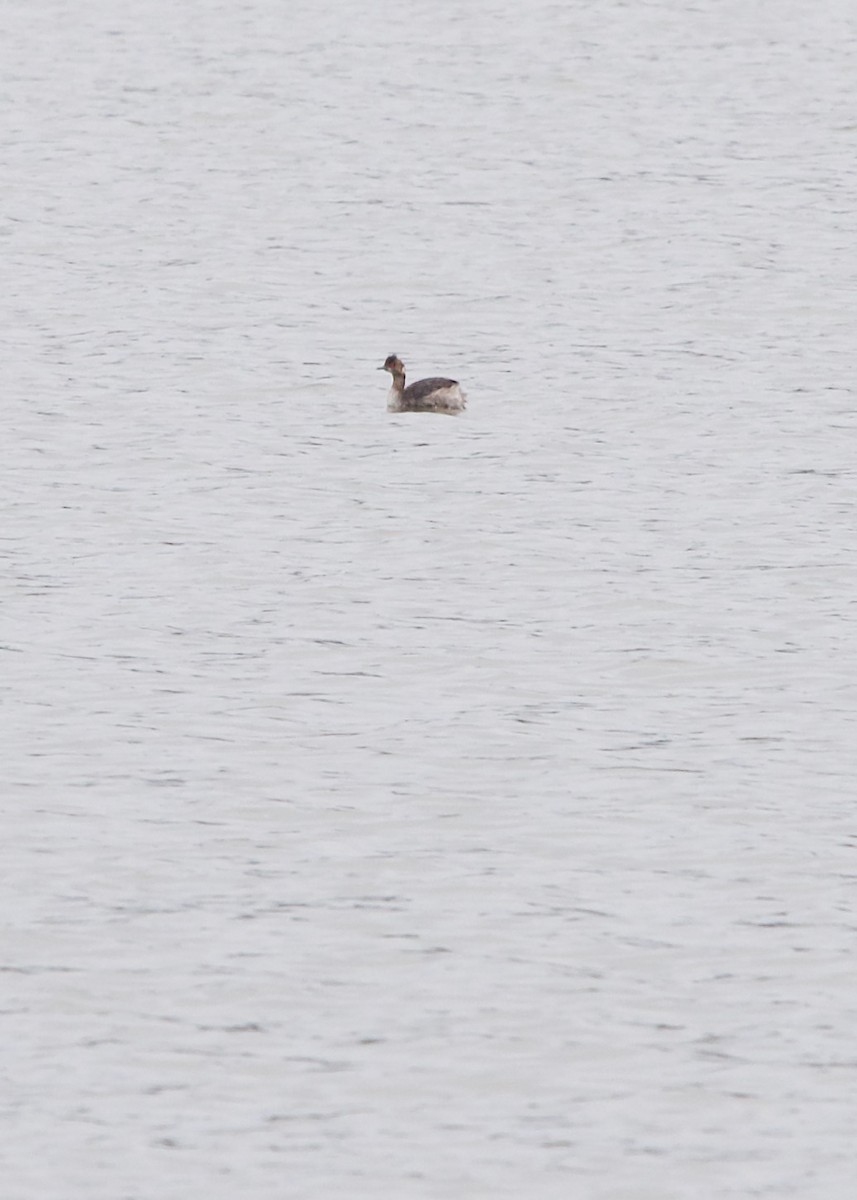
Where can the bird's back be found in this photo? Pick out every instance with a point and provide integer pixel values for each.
(434, 395)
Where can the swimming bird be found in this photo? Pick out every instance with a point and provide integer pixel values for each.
(427, 395)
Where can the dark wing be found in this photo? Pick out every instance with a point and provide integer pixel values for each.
(421, 390)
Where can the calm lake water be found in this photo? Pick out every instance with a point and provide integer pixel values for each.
(404, 806)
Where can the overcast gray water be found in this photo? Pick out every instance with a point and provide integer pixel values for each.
(404, 806)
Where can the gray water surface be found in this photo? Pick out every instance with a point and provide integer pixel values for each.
(404, 806)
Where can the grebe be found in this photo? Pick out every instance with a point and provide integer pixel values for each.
(428, 395)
